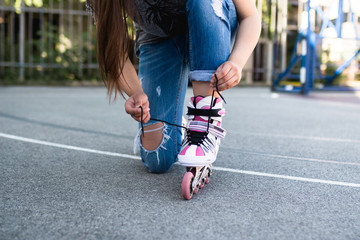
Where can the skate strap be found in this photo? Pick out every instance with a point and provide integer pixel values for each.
(217, 131)
(203, 127)
(204, 112)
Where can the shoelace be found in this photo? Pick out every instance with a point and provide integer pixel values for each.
(196, 137)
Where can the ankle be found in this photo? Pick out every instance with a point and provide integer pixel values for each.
(203, 89)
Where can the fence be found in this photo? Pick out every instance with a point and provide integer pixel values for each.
(56, 41)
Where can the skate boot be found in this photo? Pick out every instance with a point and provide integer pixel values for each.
(204, 132)
(201, 143)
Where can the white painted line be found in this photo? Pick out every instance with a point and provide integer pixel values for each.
(344, 140)
(313, 180)
(68, 146)
(51, 96)
(301, 158)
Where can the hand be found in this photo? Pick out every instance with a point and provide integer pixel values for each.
(229, 75)
(132, 107)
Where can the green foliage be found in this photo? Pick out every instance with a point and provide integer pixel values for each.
(66, 54)
(54, 58)
(56, 49)
(29, 3)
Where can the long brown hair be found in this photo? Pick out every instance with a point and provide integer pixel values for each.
(113, 40)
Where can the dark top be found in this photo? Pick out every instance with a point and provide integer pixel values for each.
(154, 19)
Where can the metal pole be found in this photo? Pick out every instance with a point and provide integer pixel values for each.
(275, 45)
(284, 33)
(42, 43)
(89, 57)
(305, 86)
(71, 34)
(51, 37)
(22, 42)
(2, 40)
(30, 43)
(61, 21)
(303, 61)
(12, 41)
(80, 48)
(303, 43)
(340, 19)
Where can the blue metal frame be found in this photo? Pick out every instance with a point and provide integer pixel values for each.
(311, 62)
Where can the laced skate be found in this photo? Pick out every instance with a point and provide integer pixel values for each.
(201, 143)
(204, 132)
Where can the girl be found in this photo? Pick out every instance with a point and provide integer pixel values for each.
(176, 41)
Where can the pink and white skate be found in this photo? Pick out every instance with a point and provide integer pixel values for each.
(201, 143)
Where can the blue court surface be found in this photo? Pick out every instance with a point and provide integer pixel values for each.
(289, 168)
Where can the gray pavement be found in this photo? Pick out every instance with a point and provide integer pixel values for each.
(289, 168)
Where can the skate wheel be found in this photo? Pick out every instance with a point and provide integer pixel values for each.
(207, 180)
(202, 184)
(186, 185)
(196, 190)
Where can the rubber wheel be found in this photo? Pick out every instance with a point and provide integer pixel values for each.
(186, 185)
(196, 190)
(202, 184)
(207, 180)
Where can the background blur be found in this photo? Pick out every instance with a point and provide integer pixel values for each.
(52, 42)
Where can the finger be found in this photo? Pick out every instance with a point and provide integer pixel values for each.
(143, 113)
(223, 70)
(147, 118)
(130, 106)
(230, 74)
(132, 110)
(221, 74)
(138, 117)
(142, 100)
(218, 70)
(145, 105)
(229, 84)
(233, 73)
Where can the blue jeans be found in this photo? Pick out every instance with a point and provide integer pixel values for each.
(166, 66)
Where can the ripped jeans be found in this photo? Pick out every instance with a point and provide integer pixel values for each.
(165, 67)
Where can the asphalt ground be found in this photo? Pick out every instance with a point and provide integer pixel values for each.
(289, 168)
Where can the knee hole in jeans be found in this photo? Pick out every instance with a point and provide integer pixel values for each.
(152, 139)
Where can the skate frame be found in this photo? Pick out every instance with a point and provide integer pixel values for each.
(200, 174)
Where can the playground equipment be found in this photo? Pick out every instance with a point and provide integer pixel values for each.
(324, 35)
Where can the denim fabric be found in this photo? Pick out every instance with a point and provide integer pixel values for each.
(166, 66)
(163, 73)
(211, 27)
